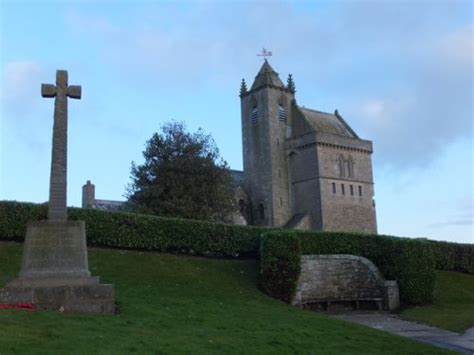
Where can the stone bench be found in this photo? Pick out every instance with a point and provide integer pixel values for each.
(342, 278)
(378, 301)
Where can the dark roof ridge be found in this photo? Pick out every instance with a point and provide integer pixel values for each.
(317, 111)
(336, 113)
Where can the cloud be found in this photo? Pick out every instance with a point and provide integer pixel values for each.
(19, 83)
(464, 215)
(452, 223)
(20, 106)
(428, 106)
(401, 72)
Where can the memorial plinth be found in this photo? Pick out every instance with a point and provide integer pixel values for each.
(55, 272)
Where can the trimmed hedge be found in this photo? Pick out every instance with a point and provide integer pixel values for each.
(453, 256)
(408, 261)
(280, 262)
(135, 231)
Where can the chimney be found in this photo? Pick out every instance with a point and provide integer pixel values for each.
(88, 195)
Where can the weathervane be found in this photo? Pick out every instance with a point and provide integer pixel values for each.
(265, 54)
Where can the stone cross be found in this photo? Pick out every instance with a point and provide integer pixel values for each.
(57, 211)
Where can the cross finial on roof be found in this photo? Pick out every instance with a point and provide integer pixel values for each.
(265, 54)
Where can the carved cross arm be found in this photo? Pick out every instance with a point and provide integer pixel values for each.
(48, 90)
(74, 91)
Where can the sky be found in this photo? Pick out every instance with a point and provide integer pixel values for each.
(400, 72)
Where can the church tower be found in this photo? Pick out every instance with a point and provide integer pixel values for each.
(266, 123)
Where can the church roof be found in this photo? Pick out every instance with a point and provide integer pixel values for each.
(267, 76)
(108, 205)
(327, 122)
(237, 177)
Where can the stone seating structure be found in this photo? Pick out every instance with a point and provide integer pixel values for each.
(341, 278)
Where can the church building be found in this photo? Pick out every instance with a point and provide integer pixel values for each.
(303, 168)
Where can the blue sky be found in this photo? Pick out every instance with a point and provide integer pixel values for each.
(400, 72)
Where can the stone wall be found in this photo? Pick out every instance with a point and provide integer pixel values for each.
(264, 157)
(342, 278)
(347, 199)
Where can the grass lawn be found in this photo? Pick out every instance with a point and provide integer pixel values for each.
(453, 306)
(180, 304)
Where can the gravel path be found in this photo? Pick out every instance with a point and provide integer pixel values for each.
(463, 343)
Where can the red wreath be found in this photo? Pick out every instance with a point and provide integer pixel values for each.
(21, 306)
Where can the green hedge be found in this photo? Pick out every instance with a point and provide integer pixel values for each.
(408, 261)
(280, 263)
(453, 256)
(135, 231)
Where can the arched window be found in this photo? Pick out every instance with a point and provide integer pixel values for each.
(242, 207)
(254, 115)
(342, 169)
(350, 167)
(261, 211)
(281, 113)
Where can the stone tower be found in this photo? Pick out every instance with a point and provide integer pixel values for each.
(266, 122)
(303, 168)
(88, 194)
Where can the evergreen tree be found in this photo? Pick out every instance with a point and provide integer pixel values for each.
(183, 176)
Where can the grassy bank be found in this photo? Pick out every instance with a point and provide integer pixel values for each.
(453, 306)
(183, 304)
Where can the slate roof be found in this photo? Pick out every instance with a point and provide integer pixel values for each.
(108, 205)
(237, 177)
(325, 122)
(267, 76)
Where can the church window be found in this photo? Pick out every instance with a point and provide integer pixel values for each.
(350, 167)
(342, 189)
(333, 187)
(261, 211)
(352, 190)
(254, 115)
(281, 113)
(341, 164)
(242, 206)
(360, 190)
(281, 201)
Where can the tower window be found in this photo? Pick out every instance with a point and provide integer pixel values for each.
(281, 113)
(352, 190)
(254, 115)
(360, 190)
(261, 211)
(281, 201)
(350, 167)
(242, 206)
(342, 189)
(333, 187)
(340, 162)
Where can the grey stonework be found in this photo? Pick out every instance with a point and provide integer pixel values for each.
(291, 164)
(89, 200)
(55, 272)
(58, 180)
(343, 278)
(88, 194)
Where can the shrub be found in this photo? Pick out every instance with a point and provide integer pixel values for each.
(15, 215)
(453, 256)
(408, 261)
(280, 264)
(135, 231)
